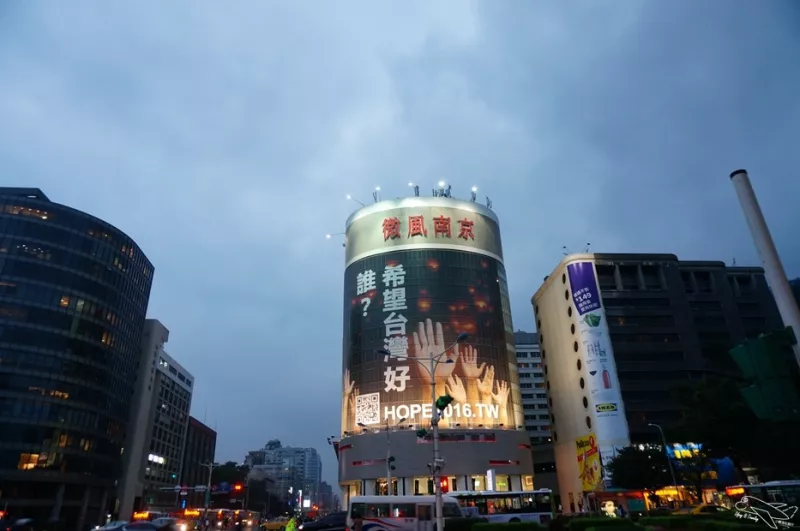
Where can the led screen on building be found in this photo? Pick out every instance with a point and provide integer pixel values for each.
(412, 297)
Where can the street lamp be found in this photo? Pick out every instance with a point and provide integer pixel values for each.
(207, 498)
(669, 458)
(389, 458)
(434, 362)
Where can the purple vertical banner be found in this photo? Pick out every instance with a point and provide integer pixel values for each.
(585, 293)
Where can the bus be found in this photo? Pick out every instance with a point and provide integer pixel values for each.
(395, 513)
(786, 493)
(512, 506)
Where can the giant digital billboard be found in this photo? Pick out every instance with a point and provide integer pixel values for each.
(412, 299)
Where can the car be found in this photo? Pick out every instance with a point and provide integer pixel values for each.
(139, 526)
(330, 521)
(278, 524)
(114, 524)
(703, 509)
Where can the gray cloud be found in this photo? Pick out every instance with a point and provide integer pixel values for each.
(224, 140)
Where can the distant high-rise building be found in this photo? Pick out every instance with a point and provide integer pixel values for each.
(73, 298)
(201, 445)
(532, 386)
(302, 465)
(534, 406)
(160, 417)
(325, 499)
(618, 332)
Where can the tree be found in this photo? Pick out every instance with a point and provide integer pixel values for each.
(636, 469)
(230, 473)
(713, 413)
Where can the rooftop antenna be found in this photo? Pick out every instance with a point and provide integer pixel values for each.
(447, 193)
(565, 250)
(440, 191)
(733, 263)
(376, 195)
(488, 203)
(474, 193)
(416, 189)
(351, 198)
(586, 250)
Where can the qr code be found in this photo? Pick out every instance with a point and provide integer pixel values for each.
(368, 409)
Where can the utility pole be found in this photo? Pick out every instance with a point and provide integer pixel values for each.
(207, 499)
(436, 466)
(437, 480)
(669, 457)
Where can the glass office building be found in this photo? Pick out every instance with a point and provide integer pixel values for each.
(73, 297)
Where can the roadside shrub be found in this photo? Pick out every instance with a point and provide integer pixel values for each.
(463, 524)
(511, 526)
(604, 522)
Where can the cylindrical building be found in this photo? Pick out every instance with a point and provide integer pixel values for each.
(419, 272)
(73, 297)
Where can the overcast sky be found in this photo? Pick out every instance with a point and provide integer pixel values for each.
(224, 137)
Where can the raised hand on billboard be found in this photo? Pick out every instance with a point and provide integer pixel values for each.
(455, 388)
(427, 345)
(469, 360)
(486, 384)
(501, 397)
(348, 385)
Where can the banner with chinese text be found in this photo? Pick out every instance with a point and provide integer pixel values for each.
(600, 372)
(589, 470)
(413, 304)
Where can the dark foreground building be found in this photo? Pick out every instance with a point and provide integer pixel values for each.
(619, 332)
(201, 445)
(669, 319)
(73, 296)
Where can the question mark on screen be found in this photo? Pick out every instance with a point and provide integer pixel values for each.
(366, 302)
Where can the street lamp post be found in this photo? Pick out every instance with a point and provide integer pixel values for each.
(666, 451)
(436, 466)
(207, 498)
(389, 465)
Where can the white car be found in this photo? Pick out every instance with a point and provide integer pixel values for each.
(110, 525)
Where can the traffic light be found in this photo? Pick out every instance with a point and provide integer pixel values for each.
(445, 485)
(422, 433)
(391, 461)
(443, 401)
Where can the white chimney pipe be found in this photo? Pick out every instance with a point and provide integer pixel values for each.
(773, 268)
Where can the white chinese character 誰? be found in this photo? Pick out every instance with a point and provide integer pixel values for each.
(365, 282)
(394, 299)
(394, 276)
(397, 347)
(395, 378)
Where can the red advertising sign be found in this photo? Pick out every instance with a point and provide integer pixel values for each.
(417, 228)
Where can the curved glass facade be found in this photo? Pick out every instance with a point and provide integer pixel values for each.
(73, 297)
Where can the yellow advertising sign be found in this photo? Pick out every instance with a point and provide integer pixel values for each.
(589, 468)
